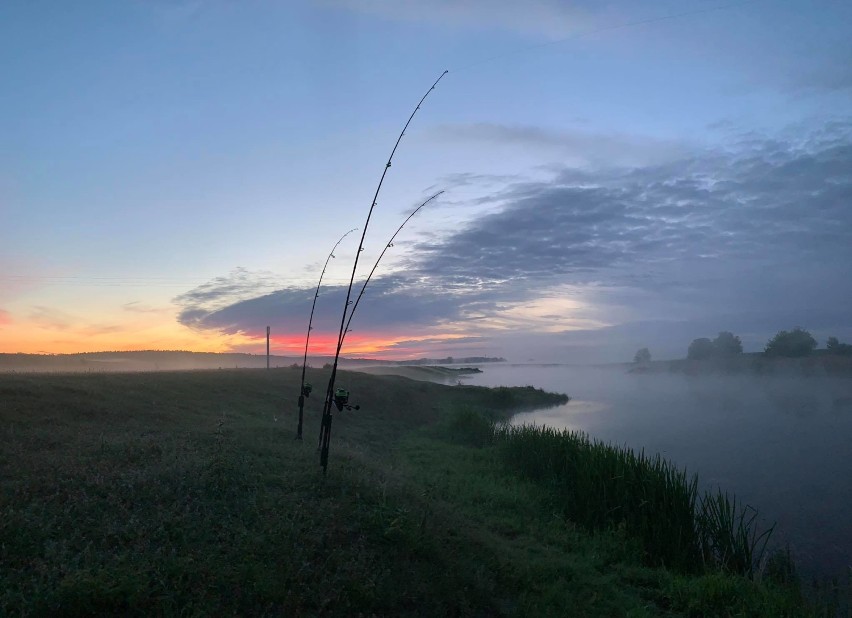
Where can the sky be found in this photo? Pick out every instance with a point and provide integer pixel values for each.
(616, 175)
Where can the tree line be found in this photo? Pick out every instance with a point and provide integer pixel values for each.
(791, 344)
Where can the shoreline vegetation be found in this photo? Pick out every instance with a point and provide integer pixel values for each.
(756, 364)
(185, 492)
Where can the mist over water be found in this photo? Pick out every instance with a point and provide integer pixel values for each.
(781, 443)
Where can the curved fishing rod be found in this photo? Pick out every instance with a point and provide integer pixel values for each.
(376, 265)
(302, 392)
(323, 442)
(326, 415)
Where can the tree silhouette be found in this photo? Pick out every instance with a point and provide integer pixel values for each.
(795, 343)
(642, 356)
(727, 344)
(835, 347)
(701, 349)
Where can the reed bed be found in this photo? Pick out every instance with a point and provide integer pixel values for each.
(602, 486)
(730, 535)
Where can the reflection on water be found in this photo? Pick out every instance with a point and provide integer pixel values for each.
(781, 443)
(561, 417)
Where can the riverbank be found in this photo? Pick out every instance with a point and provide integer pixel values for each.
(185, 492)
(429, 373)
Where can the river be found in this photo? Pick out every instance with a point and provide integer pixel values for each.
(782, 444)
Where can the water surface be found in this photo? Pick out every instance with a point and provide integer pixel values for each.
(780, 443)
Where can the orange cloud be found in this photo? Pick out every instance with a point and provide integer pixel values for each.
(385, 345)
(48, 330)
(371, 344)
(51, 331)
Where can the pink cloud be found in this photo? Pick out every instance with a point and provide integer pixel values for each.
(5, 318)
(19, 276)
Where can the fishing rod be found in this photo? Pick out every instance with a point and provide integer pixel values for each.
(305, 390)
(326, 415)
(341, 395)
(381, 255)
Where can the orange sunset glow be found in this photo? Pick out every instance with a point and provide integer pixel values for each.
(31, 338)
(36, 335)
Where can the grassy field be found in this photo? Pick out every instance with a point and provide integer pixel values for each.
(186, 494)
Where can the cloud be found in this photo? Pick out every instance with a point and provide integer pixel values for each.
(573, 147)
(177, 13)
(391, 304)
(20, 276)
(767, 201)
(5, 318)
(95, 330)
(548, 18)
(833, 76)
(752, 44)
(54, 319)
(140, 307)
(759, 229)
(669, 336)
(818, 60)
(226, 290)
(752, 236)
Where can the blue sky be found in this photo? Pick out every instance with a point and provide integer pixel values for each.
(616, 174)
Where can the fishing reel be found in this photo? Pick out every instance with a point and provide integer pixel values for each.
(341, 400)
(306, 392)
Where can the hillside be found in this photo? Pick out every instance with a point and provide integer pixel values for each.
(185, 493)
(178, 360)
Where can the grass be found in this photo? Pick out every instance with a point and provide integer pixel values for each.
(601, 486)
(730, 537)
(186, 494)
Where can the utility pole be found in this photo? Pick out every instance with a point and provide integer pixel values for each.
(267, 347)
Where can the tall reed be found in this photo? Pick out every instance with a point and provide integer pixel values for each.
(601, 486)
(731, 538)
